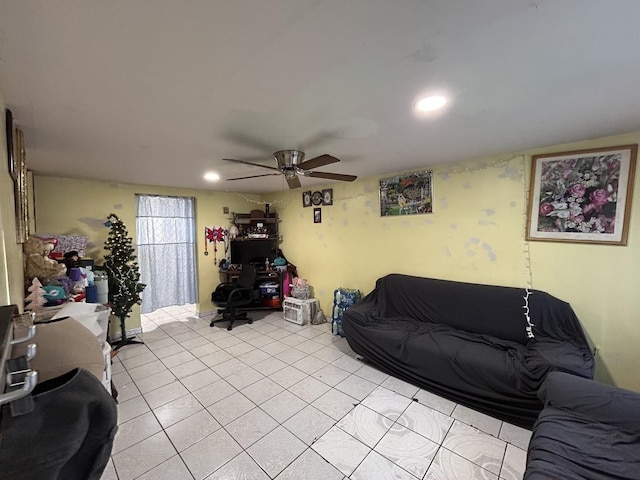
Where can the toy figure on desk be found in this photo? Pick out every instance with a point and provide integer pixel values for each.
(71, 260)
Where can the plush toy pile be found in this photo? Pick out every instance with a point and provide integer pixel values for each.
(300, 288)
(38, 264)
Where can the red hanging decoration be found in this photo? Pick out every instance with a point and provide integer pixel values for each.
(213, 235)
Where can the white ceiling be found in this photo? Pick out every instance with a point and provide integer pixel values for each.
(159, 91)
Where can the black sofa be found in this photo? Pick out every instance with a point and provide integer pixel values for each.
(469, 342)
(586, 431)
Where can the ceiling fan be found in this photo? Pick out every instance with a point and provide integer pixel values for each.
(291, 163)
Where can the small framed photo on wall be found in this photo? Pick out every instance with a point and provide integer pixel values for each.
(306, 199)
(327, 196)
(317, 215)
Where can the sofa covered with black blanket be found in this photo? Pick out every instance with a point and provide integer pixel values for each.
(586, 431)
(486, 347)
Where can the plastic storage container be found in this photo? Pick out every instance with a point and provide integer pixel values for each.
(101, 281)
(270, 294)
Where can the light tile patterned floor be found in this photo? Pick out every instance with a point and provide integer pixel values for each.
(275, 400)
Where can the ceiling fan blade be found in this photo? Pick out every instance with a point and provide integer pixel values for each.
(294, 182)
(332, 176)
(254, 176)
(249, 163)
(317, 162)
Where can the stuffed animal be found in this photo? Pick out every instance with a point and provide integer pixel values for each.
(54, 295)
(299, 282)
(37, 264)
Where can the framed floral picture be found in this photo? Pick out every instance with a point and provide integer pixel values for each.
(582, 196)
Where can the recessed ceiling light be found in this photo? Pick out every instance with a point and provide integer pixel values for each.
(211, 176)
(429, 104)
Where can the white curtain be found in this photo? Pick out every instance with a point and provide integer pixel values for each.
(166, 251)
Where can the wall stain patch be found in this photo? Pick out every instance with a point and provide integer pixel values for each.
(373, 207)
(443, 202)
(511, 173)
(96, 224)
(118, 206)
(466, 185)
(490, 253)
(512, 204)
(453, 226)
(472, 241)
(486, 223)
(446, 251)
(489, 211)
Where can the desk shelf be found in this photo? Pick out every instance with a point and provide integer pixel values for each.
(230, 276)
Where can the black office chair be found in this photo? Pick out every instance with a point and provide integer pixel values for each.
(230, 296)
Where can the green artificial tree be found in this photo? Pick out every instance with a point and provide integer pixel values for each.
(123, 273)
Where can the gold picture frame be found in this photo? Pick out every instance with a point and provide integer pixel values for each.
(21, 186)
(582, 196)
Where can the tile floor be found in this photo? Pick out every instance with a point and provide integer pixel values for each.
(275, 400)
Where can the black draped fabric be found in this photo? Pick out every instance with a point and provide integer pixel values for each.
(586, 431)
(469, 342)
(68, 435)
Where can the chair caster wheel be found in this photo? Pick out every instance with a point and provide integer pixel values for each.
(250, 321)
(229, 327)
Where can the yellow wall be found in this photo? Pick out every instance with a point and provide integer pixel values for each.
(79, 207)
(475, 234)
(11, 264)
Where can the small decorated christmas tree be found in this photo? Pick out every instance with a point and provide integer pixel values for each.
(123, 273)
(35, 299)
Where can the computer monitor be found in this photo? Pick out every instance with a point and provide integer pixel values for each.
(252, 251)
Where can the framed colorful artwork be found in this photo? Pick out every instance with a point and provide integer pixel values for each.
(582, 196)
(406, 194)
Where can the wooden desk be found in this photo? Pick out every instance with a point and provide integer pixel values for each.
(230, 276)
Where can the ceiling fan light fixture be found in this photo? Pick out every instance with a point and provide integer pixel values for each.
(288, 158)
(289, 172)
(211, 177)
(431, 103)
